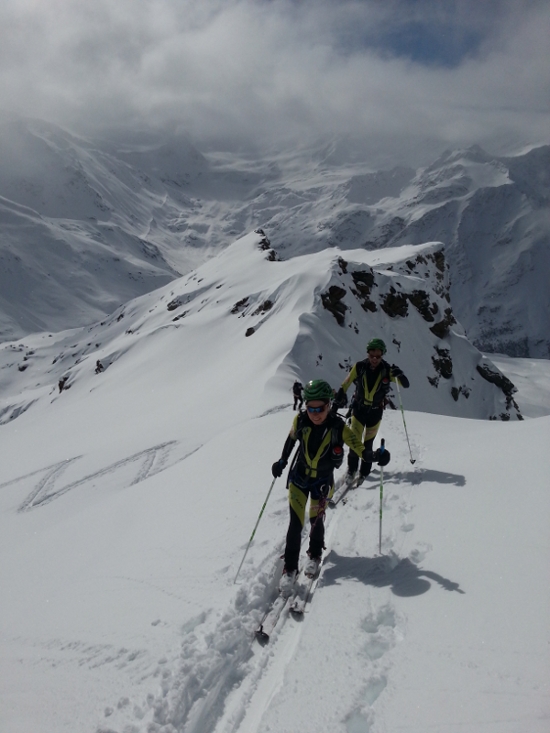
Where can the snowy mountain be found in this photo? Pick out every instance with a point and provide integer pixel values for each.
(493, 215)
(127, 500)
(87, 225)
(326, 306)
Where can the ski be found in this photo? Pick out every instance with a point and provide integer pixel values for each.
(271, 617)
(348, 486)
(298, 604)
(273, 614)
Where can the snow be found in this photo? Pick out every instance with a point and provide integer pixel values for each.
(532, 380)
(120, 216)
(127, 501)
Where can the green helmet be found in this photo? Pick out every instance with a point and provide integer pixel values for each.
(376, 344)
(318, 389)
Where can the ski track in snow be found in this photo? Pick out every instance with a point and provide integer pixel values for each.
(223, 681)
(153, 460)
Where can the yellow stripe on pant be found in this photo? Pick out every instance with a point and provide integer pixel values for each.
(363, 433)
(298, 500)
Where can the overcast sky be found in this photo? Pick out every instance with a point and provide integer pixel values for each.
(402, 75)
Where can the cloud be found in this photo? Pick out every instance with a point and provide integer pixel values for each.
(397, 76)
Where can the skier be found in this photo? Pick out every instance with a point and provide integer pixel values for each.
(297, 389)
(372, 377)
(98, 367)
(320, 434)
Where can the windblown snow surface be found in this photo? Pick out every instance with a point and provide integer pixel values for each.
(127, 501)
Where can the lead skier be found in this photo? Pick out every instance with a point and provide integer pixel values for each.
(321, 435)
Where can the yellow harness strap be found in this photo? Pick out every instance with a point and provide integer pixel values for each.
(369, 396)
(312, 463)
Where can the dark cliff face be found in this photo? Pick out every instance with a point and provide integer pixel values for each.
(408, 303)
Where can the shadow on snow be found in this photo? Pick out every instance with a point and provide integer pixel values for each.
(401, 575)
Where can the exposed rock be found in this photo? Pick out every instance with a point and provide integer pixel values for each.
(364, 281)
(265, 245)
(457, 391)
(332, 301)
(181, 315)
(421, 301)
(497, 378)
(441, 329)
(439, 259)
(343, 265)
(240, 305)
(395, 304)
(267, 305)
(264, 242)
(443, 364)
(508, 388)
(173, 304)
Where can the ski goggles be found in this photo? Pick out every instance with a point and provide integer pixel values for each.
(321, 408)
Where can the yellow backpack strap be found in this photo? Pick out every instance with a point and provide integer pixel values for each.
(312, 463)
(368, 395)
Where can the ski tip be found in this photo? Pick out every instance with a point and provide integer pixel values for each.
(297, 611)
(261, 636)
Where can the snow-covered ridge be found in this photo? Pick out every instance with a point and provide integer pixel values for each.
(308, 316)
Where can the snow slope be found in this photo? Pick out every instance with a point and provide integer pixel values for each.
(531, 377)
(127, 500)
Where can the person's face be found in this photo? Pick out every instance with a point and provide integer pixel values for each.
(317, 411)
(374, 357)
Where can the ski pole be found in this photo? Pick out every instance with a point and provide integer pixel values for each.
(382, 449)
(413, 460)
(255, 528)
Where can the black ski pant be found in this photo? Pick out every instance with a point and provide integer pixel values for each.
(364, 423)
(297, 498)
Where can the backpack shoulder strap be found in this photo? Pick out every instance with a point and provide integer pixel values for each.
(337, 430)
(360, 368)
(387, 367)
(300, 423)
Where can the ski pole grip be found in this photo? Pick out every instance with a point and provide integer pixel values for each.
(382, 445)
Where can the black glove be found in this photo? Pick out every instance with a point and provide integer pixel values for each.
(277, 468)
(341, 399)
(382, 457)
(397, 373)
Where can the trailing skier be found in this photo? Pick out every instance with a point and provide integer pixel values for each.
(297, 393)
(321, 435)
(372, 377)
